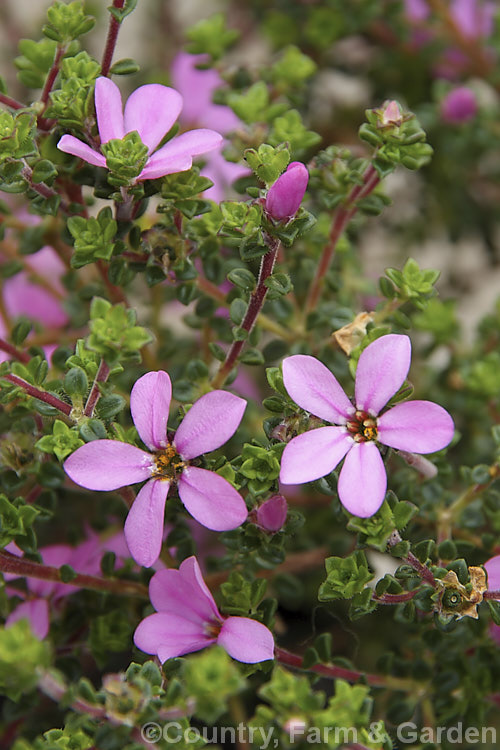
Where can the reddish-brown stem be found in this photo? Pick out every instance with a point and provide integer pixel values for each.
(109, 49)
(254, 307)
(492, 595)
(13, 352)
(423, 571)
(44, 396)
(9, 102)
(335, 672)
(394, 598)
(95, 394)
(42, 189)
(115, 293)
(342, 216)
(52, 74)
(19, 566)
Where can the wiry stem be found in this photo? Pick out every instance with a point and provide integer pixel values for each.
(422, 570)
(52, 74)
(9, 102)
(113, 29)
(95, 394)
(351, 675)
(21, 567)
(342, 216)
(44, 396)
(13, 352)
(254, 307)
(42, 189)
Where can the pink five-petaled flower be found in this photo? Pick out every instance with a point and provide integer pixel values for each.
(187, 619)
(151, 111)
(285, 196)
(416, 426)
(208, 497)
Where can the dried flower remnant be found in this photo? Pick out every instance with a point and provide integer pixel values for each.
(354, 431)
(187, 619)
(109, 464)
(150, 111)
(454, 600)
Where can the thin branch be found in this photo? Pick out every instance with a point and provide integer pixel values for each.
(95, 393)
(13, 352)
(109, 49)
(52, 74)
(44, 396)
(19, 566)
(255, 304)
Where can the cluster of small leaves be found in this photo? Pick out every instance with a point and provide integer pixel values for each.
(72, 103)
(93, 237)
(114, 333)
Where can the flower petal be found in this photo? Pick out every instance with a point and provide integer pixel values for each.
(149, 403)
(178, 592)
(71, 145)
(152, 110)
(492, 567)
(362, 481)
(109, 109)
(211, 500)
(108, 464)
(177, 155)
(416, 426)
(382, 369)
(169, 635)
(144, 524)
(314, 454)
(36, 611)
(246, 640)
(314, 388)
(209, 423)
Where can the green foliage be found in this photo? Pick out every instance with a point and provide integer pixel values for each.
(67, 22)
(16, 519)
(125, 158)
(114, 333)
(268, 162)
(35, 61)
(290, 129)
(254, 105)
(240, 596)
(62, 442)
(413, 283)
(93, 237)
(291, 70)
(109, 632)
(346, 576)
(22, 654)
(72, 103)
(17, 134)
(398, 141)
(211, 678)
(211, 36)
(260, 467)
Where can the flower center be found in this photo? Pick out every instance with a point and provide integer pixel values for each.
(212, 628)
(362, 427)
(168, 464)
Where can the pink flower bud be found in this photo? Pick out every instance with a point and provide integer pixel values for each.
(285, 196)
(459, 105)
(272, 514)
(391, 114)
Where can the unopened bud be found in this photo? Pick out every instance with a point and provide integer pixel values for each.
(285, 196)
(271, 515)
(391, 114)
(459, 105)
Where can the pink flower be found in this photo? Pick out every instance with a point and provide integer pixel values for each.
(473, 17)
(197, 87)
(85, 558)
(271, 515)
(459, 105)
(492, 567)
(187, 619)
(150, 110)
(285, 196)
(109, 464)
(417, 426)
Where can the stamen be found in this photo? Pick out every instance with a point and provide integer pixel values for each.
(168, 464)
